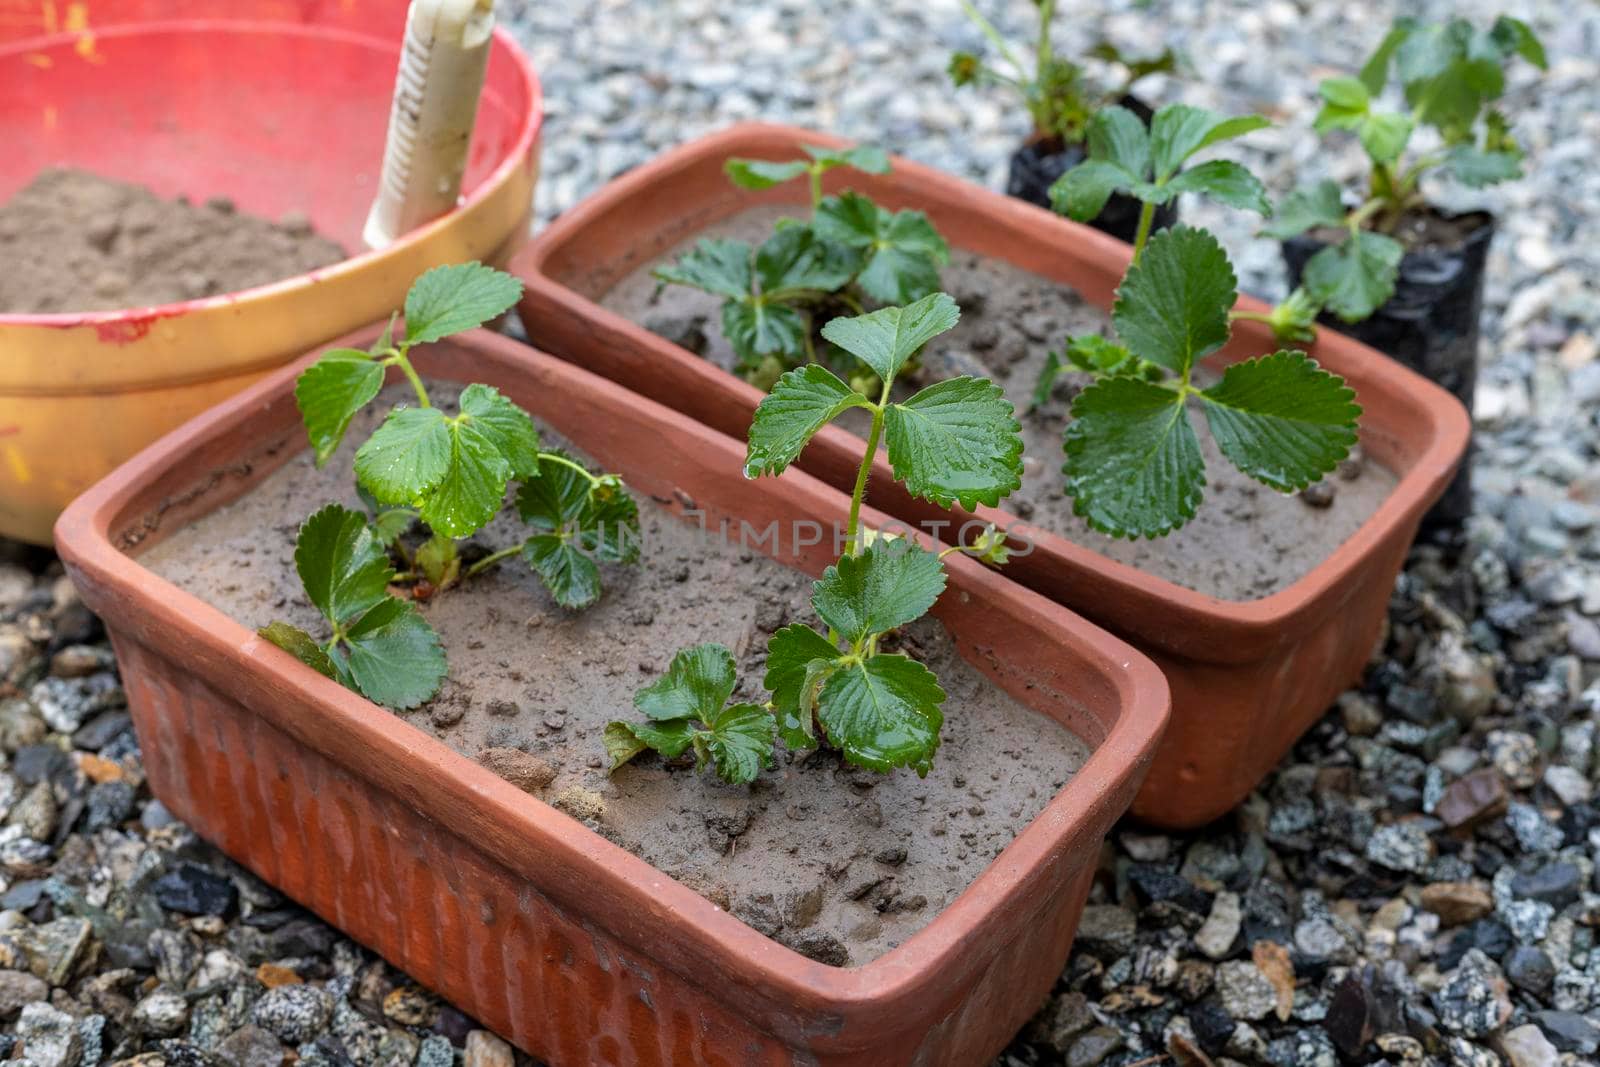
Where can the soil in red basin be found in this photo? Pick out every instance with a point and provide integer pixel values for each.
(839, 863)
(75, 241)
(1247, 540)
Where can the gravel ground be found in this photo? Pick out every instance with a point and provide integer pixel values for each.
(1416, 884)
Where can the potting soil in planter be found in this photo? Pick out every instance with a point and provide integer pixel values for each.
(839, 863)
(79, 242)
(1247, 540)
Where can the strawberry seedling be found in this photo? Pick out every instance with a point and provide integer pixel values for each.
(956, 441)
(1450, 74)
(1147, 164)
(1134, 466)
(848, 254)
(448, 472)
(1055, 90)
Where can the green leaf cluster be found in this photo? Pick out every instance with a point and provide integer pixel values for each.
(451, 472)
(381, 646)
(1127, 157)
(956, 441)
(851, 251)
(1133, 462)
(1056, 91)
(1449, 74)
(687, 708)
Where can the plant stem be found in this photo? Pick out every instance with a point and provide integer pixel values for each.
(1364, 212)
(1250, 316)
(816, 189)
(994, 36)
(866, 471)
(1147, 218)
(490, 560)
(563, 461)
(400, 360)
(811, 349)
(1047, 11)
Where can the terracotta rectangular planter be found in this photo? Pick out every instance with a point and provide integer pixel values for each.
(1248, 678)
(576, 950)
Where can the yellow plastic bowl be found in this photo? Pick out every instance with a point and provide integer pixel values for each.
(280, 107)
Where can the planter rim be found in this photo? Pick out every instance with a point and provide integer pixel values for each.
(1266, 617)
(136, 317)
(623, 888)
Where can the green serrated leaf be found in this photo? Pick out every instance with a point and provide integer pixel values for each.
(763, 174)
(884, 712)
(1375, 72)
(301, 645)
(578, 524)
(889, 584)
(608, 529)
(406, 456)
(625, 740)
(1384, 135)
(344, 569)
(956, 441)
(330, 392)
(866, 158)
(756, 329)
(1282, 419)
(1178, 131)
(389, 524)
(1100, 356)
(1348, 94)
(450, 299)
(1515, 36)
(801, 403)
(697, 684)
(1450, 71)
(505, 425)
(1307, 208)
(1224, 180)
(719, 267)
(1133, 462)
(885, 339)
(740, 742)
(798, 659)
(622, 743)
(1081, 193)
(1172, 307)
(1355, 277)
(1119, 137)
(474, 483)
(903, 252)
(1477, 168)
(394, 656)
(795, 261)
(570, 575)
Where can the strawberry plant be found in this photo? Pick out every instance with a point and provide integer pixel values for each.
(1056, 91)
(450, 473)
(849, 253)
(956, 441)
(1147, 164)
(1449, 74)
(1133, 463)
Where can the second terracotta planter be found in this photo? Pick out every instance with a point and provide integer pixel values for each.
(578, 951)
(1248, 678)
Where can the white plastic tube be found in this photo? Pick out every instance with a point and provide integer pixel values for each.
(442, 64)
